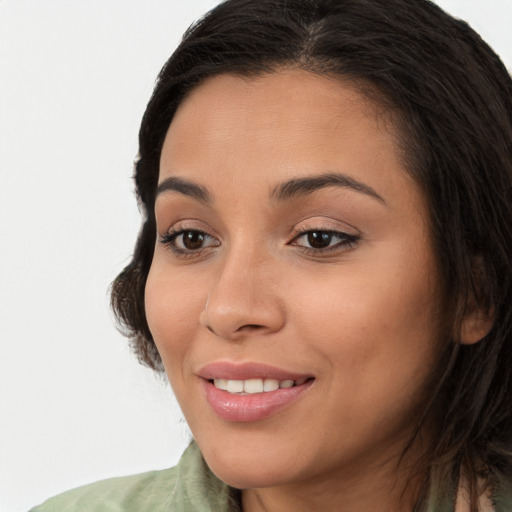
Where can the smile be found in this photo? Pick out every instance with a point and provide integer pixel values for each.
(253, 386)
(251, 391)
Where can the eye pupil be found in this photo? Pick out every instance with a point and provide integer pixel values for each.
(193, 240)
(319, 239)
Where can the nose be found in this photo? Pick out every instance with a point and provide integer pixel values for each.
(243, 299)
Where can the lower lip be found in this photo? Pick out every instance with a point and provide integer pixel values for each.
(254, 407)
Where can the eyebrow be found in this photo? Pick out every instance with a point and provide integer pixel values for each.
(303, 186)
(186, 188)
(296, 187)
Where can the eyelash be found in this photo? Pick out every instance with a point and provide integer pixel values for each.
(347, 241)
(169, 240)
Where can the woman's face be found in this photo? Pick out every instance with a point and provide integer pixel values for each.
(292, 250)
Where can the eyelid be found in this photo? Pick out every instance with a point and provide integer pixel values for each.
(320, 223)
(338, 233)
(348, 236)
(174, 233)
(178, 221)
(189, 224)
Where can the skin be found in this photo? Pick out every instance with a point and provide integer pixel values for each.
(361, 318)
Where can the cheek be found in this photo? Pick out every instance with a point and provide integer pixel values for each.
(369, 323)
(172, 311)
(377, 341)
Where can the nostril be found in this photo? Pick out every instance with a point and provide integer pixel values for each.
(250, 327)
(243, 330)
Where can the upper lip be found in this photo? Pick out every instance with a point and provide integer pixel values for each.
(247, 370)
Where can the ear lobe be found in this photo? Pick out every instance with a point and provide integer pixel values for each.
(478, 316)
(476, 324)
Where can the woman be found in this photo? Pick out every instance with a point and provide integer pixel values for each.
(324, 267)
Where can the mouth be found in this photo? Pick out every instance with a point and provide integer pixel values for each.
(247, 392)
(255, 385)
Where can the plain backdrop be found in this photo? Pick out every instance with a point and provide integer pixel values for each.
(75, 76)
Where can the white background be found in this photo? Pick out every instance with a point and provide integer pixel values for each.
(75, 77)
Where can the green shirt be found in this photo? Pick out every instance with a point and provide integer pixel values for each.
(188, 487)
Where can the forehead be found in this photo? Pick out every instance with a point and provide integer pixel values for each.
(276, 101)
(279, 126)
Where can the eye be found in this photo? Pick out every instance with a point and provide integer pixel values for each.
(317, 240)
(188, 241)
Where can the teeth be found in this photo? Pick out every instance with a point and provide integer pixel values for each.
(251, 386)
(235, 386)
(270, 384)
(221, 384)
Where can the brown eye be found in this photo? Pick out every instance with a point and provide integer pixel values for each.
(320, 242)
(193, 240)
(319, 239)
(189, 241)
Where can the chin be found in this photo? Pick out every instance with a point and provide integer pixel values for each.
(242, 477)
(249, 469)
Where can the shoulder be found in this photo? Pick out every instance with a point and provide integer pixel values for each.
(497, 500)
(188, 486)
(116, 494)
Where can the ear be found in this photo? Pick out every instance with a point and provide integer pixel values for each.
(478, 317)
(476, 324)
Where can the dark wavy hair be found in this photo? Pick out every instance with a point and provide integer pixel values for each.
(451, 99)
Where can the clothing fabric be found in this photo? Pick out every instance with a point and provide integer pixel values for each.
(188, 487)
